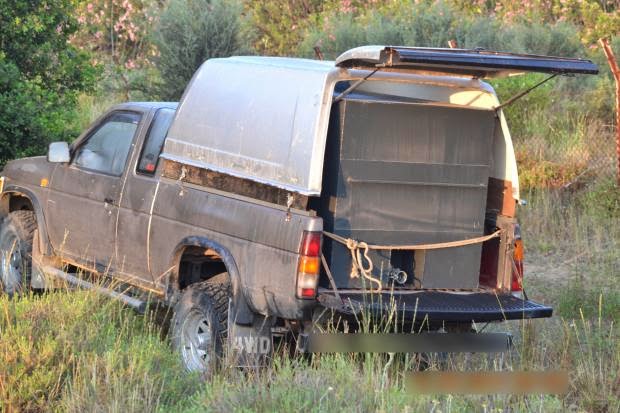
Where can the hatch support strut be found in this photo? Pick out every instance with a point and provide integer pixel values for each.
(523, 93)
(354, 86)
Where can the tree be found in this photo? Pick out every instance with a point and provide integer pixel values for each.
(40, 76)
(190, 32)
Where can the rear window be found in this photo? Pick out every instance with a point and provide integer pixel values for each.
(154, 141)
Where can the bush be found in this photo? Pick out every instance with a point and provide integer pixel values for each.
(415, 25)
(40, 76)
(433, 24)
(602, 199)
(277, 27)
(190, 32)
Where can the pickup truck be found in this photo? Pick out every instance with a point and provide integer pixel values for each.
(282, 189)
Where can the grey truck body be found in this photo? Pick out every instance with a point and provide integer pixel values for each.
(261, 150)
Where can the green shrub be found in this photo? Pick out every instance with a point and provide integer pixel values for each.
(276, 27)
(40, 76)
(559, 39)
(190, 32)
(411, 25)
(602, 199)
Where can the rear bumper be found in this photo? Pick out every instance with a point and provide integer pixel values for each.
(435, 305)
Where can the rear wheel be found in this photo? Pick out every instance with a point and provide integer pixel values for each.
(200, 324)
(16, 238)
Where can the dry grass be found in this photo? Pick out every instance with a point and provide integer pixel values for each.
(578, 151)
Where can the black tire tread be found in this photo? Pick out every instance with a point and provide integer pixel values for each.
(24, 223)
(218, 290)
(212, 297)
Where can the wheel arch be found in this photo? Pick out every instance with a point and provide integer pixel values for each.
(243, 314)
(29, 202)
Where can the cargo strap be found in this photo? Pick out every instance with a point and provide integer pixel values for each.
(359, 249)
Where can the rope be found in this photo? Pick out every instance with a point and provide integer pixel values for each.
(359, 252)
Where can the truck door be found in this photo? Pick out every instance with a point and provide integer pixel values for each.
(83, 199)
(136, 206)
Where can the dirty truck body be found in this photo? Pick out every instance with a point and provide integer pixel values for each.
(269, 165)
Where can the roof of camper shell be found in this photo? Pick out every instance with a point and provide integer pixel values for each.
(259, 118)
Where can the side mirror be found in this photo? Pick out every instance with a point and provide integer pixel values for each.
(58, 152)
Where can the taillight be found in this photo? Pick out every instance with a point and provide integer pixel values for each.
(309, 266)
(517, 271)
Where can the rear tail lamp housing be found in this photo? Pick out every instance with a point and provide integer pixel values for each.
(516, 284)
(309, 265)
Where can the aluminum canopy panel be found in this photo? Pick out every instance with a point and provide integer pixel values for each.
(258, 118)
(478, 63)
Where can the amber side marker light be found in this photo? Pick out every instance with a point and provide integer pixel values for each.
(309, 266)
(517, 270)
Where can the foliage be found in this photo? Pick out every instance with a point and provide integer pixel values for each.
(190, 32)
(76, 351)
(40, 76)
(578, 236)
(433, 24)
(79, 351)
(594, 18)
(116, 32)
(278, 27)
(602, 199)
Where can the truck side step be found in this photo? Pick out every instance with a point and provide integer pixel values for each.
(133, 302)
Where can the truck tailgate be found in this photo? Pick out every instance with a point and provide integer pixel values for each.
(435, 305)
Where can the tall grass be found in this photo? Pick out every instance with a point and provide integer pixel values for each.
(574, 240)
(117, 362)
(76, 351)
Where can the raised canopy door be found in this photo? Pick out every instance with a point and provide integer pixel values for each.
(478, 62)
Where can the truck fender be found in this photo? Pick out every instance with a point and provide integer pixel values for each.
(240, 309)
(44, 244)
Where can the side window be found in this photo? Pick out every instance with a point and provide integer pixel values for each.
(106, 149)
(154, 141)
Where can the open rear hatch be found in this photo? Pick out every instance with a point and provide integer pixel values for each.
(477, 63)
(410, 171)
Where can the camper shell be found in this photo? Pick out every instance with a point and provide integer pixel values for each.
(387, 145)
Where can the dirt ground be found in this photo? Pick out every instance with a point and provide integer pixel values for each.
(551, 267)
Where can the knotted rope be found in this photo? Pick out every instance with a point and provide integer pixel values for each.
(359, 252)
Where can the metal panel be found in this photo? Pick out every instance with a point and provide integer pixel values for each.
(406, 173)
(478, 62)
(437, 306)
(263, 119)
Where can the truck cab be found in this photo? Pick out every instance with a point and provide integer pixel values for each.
(281, 188)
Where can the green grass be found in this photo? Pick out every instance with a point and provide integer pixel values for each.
(72, 351)
(75, 351)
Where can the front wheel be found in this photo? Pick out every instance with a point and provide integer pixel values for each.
(200, 324)
(16, 238)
